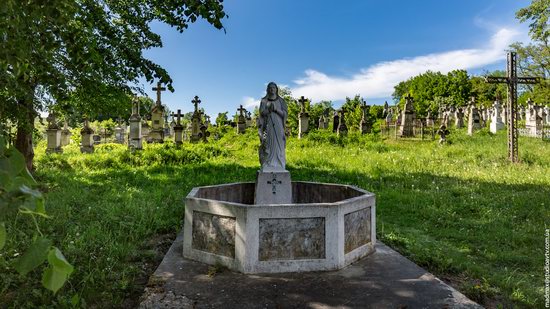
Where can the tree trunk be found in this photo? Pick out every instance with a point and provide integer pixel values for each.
(25, 128)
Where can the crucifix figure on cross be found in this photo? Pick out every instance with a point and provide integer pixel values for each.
(196, 102)
(512, 80)
(274, 182)
(241, 110)
(159, 89)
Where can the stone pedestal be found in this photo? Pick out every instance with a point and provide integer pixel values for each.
(54, 140)
(322, 123)
(241, 125)
(178, 134)
(303, 124)
(157, 133)
(87, 143)
(145, 129)
(407, 124)
(195, 129)
(496, 125)
(364, 126)
(134, 139)
(474, 122)
(273, 188)
(119, 135)
(342, 127)
(65, 137)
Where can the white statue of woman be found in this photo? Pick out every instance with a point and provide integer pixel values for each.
(271, 128)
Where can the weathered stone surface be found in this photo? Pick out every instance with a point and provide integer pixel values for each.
(385, 279)
(214, 234)
(273, 188)
(357, 229)
(292, 239)
(327, 202)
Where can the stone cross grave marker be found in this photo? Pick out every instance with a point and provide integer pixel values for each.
(364, 125)
(241, 120)
(303, 118)
(196, 101)
(196, 120)
(159, 90)
(512, 80)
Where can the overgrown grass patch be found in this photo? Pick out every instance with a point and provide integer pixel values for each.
(460, 210)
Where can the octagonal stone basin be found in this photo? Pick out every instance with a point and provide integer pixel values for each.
(327, 227)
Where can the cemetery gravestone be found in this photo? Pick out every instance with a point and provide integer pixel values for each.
(496, 121)
(196, 120)
(145, 129)
(303, 118)
(178, 129)
(120, 132)
(322, 122)
(408, 117)
(87, 143)
(135, 138)
(342, 127)
(53, 133)
(157, 117)
(167, 127)
(364, 125)
(474, 122)
(241, 120)
(459, 119)
(248, 119)
(65, 135)
(335, 122)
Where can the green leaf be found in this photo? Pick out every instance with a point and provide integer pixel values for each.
(4, 180)
(58, 261)
(2, 235)
(15, 163)
(53, 279)
(34, 256)
(29, 191)
(58, 272)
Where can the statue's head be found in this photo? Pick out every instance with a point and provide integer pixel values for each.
(272, 89)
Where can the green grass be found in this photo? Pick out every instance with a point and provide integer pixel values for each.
(459, 210)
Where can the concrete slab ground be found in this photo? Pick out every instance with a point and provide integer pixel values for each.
(384, 279)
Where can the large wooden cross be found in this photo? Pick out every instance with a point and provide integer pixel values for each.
(241, 110)
(512, 80)
(196, 102)
(159, 89)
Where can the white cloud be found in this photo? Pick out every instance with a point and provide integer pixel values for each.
(378, 80)
(250, 102)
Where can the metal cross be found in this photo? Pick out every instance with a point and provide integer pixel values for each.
(302, 101)
(196, 101)
(159, 89)
(241, 110)
(178, 116)
(512, 80)
(274, 182)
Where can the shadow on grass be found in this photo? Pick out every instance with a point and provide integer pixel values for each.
(106, 221)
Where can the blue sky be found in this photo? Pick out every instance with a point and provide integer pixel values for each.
(327, 50)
